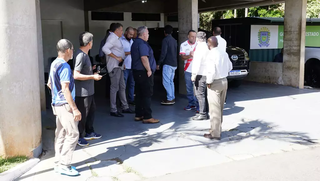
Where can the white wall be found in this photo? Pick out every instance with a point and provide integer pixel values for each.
(99, 28)
(60, 19)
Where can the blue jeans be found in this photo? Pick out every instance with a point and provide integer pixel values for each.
(167, 81)
(129, 81)
(190, 94)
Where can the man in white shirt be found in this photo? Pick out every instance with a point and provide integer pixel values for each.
(127, 41)
(199, 77)
(115, 54)
(217, 83)
(187, 49)
(222, 44)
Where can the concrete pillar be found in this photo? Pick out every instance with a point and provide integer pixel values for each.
(188, 19)
(40, 58)
(20, 119)
(294, 43)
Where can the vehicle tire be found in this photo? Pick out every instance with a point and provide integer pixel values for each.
(312, 73)
(235, 83)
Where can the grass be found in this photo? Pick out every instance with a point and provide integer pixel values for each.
(7, 163)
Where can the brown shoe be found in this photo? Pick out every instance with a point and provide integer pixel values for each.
(151, 121)
(138, 118)
(167, 102)
(209, 136)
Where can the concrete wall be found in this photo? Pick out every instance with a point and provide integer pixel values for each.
(60, 19)
(265, 72)
(99, 28)
(20, 113)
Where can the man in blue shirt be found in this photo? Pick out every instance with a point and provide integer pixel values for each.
(168, 57)
(61, 83)
(143, 66)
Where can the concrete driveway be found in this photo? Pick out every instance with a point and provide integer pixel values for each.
(259, 119)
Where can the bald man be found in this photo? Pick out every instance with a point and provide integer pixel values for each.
(217, 85)
(222, 44)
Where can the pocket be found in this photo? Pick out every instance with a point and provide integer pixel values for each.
(53, 110)
(68, 108)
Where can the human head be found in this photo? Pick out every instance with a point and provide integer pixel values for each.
(216, 31)
(212, 42)
(111, 25)
(201, 36)
(135, 33)
(168, 30)
(65, 48)
(117, 29)
(129, 33)
(143, 33)
(192, 35)
(86, 40)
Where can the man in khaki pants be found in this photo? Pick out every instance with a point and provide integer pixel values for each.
(61, 83)
(218, 68)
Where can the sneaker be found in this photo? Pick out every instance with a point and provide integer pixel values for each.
(189, 108)
(82, 142)
(167, 102)
(56, 168)
(70, 171)
(92, 136)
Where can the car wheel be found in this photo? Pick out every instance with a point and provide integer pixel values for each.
(312, 73)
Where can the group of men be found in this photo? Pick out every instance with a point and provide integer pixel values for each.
(130, 61)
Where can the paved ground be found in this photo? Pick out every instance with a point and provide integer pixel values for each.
(294, 166)
(259, 120)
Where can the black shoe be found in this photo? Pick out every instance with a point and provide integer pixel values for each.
(116, 114)
(200, 117)
(129, 111)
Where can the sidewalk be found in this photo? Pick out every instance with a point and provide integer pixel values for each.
(259, 120)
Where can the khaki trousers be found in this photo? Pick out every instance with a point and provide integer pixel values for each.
(66, 134)
(216, 98)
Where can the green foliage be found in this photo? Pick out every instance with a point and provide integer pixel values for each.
(6, 164)
(313, 9)
(275, 11)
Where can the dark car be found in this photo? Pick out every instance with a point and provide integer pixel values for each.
(238, 56)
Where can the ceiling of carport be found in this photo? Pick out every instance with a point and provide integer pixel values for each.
(169, 6)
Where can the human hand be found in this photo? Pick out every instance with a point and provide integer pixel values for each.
(191, 53)
(158, 67)
(97, 77)
(209, 86)
(94, 67)
(76, 115)
(149, 73)
(193, 78)
(119, 59)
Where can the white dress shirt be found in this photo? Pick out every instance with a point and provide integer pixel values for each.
(199, 61)
(218, 65)
(113, 45)
(222, 44)
(127, 48)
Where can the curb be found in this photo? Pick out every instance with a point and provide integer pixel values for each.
(19, 170)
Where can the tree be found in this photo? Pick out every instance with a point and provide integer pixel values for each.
(313, 9)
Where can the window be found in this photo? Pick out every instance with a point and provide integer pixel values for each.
(173, 18)
(103, 16)
(145, 17)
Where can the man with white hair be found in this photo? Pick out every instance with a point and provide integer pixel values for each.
(143, 66)
(62, 87)
(84, 81)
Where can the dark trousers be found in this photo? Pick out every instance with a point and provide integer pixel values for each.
(87, 107)
(200, 87)
(144, 92)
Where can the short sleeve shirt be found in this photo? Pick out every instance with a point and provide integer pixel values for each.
(60, 72)
(83, 64)
(185, 49)
(141, 48)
